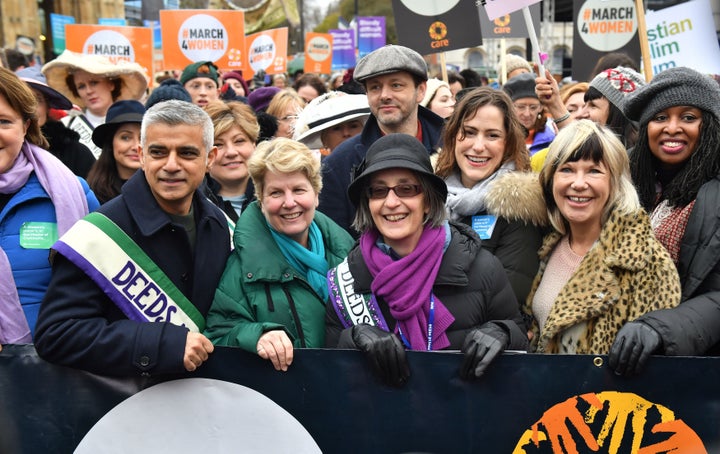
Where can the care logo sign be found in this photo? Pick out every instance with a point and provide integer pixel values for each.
(267, 51)
(190, 36)
(318, 53)
(607, 25)
(116, 43)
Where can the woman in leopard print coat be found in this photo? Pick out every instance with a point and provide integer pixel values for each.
(600, 264)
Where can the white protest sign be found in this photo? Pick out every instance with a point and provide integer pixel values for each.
(683, 35)
(498, 8)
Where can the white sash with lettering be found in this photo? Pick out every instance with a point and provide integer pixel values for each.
(126, 274)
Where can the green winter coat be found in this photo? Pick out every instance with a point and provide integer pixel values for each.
(259, 290)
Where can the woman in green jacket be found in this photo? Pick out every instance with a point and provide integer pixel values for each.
(271, 298)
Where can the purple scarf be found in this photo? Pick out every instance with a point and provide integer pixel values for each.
(406, 285)
(70, 204)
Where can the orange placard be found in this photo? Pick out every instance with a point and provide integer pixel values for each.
(195, 35)
(266, 50)
(117, 43)
(318, 53)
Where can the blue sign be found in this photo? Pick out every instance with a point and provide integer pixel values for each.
(57, 27)
(157, 36)
(371, 34)
(112, 21)
(343, 55)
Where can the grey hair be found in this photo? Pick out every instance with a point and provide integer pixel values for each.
(175, 112)
(435, 202)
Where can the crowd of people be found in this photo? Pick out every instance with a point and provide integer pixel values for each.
(381, 210)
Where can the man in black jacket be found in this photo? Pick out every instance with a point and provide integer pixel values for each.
(395, 81)
(153, 254)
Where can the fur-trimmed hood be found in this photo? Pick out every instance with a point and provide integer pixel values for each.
(517, 196)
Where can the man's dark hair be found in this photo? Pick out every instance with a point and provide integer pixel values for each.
(16, 59)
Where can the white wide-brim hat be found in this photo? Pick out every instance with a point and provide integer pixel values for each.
(133, 76)
(328, 110)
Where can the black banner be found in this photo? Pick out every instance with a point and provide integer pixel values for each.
(524, 404)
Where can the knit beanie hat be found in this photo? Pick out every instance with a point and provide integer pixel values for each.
(432, 87)
(237, 75)
(617, 83)
(513, 62)
(167, 90)
(674, 87)
(200, 69)
(260, 99)
(521, 86)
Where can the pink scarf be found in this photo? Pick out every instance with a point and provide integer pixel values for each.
(70, 204)
(406, 285)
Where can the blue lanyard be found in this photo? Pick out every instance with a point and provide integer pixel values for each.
(431, 320)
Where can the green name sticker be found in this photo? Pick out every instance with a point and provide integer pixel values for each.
(38, 235)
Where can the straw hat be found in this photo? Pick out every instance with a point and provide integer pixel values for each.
(328, 110)
(134, 80)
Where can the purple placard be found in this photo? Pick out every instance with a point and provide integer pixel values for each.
(343, 54)
(371, 34)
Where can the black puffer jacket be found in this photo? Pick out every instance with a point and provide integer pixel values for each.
(693, 328)
(65, 145)
(471, 283)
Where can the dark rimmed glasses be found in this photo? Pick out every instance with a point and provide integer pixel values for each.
(400, 190)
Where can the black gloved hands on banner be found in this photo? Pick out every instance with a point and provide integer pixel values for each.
(480, 348)
(633, 345)
(385, 353)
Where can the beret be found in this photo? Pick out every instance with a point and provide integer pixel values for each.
(679, 86)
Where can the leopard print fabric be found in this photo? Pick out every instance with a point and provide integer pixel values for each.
(626, 274)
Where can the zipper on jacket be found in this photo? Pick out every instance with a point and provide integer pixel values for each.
(293, 309)
(268, 297)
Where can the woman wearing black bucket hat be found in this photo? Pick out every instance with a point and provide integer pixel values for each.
(119, 139)
(414, 280)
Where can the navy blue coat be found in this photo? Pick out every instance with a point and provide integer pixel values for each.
(79, 326)
(338, 166)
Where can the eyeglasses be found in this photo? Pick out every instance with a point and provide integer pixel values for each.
(288, 118)
(401, 190)
(533, 108)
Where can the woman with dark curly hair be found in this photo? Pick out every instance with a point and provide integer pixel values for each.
(676, 169)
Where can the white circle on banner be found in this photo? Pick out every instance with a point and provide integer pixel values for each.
(429, 7)
(262, 52)
(111, 44)
(227, 418)
(203, 37)
(607, 25)
(318, 48)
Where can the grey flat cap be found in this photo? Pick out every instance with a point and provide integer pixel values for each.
(390, 59)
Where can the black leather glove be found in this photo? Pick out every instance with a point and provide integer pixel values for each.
(633, 345)
(481, 346)
(385, 353)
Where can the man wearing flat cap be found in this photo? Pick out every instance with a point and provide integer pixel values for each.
(395, 82)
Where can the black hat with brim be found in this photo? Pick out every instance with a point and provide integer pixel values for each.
(394, 151)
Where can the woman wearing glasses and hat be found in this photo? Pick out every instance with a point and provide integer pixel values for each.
(119, 139)
(93, 83)
(64, 142)
(415, 281)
